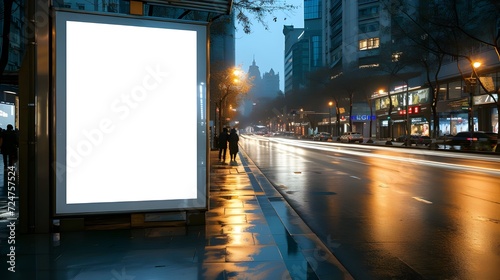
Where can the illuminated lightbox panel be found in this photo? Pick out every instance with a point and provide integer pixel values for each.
(130, 114)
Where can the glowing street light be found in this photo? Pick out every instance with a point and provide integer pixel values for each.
(472, 81)
(231, 79)
(330, 104)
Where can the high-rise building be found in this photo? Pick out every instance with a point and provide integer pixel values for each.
(361, 34)
(303, 47)
(296, 58)
(313, 32)
(354, 32)
(270, 84)
(368, 34)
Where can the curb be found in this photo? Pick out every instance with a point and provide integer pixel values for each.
(322, 261)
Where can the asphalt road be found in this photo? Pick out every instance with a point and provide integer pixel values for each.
(391, 213)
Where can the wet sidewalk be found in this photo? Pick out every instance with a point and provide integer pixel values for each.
(265, 238)
(250, 232)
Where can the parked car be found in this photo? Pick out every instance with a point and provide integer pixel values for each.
(415, 139)
(477, 140)
(322, 136)
(285, 134)
(351, 137)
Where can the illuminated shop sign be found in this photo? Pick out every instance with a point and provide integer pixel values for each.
(363, 117)
(411, 110)
(485, 99)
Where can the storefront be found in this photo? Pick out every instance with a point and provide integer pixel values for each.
(454, 115)
(494, 120)
(487, 112)
(395, 124)
(361, 123)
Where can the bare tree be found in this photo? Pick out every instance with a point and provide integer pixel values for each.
(459, 30)
(422, 39)
(260, 10)
(245, 12)
(227, 87)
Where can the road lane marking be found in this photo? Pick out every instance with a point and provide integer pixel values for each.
(485, 219)
(451, 166)
(329, 146)
(422, 200)
(348, 159)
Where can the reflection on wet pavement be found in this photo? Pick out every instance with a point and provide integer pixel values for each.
(240, 241)
(250, 232)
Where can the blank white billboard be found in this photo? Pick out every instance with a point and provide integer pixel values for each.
(130, 114)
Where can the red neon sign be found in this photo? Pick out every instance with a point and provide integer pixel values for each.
(411, 110)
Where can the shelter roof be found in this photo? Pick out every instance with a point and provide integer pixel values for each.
(214, 6)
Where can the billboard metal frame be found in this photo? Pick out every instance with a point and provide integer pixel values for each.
(57, 121)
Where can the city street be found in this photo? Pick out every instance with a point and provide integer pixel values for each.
(388, 212)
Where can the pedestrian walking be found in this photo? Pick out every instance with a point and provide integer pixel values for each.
(223, 137)
(233, 144)
(9, 146)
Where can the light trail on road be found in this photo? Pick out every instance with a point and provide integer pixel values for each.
(394, 212)
(367, 151)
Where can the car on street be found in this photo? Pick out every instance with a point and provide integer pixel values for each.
(351, 137)
(415, 139)
(476, 140)
(322, 136)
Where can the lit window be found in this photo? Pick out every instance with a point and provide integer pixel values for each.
(367, 44)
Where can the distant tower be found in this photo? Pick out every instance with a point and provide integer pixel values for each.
(254, 72)
(270, 84)
(263, 87)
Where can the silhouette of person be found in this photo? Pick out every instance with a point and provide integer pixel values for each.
(233, 144)
(9, 146)
(223, 137)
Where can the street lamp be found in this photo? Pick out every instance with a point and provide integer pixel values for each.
(471, 82)
(230, 80)
(301, 121)
(330, 104)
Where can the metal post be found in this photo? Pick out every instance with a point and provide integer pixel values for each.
(471, 83)
(330, 119)
(408, 124)
(471, 114)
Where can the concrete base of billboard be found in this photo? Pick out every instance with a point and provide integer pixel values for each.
(71, 224)
(196, 218)
(158, 220)
(130, 221)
